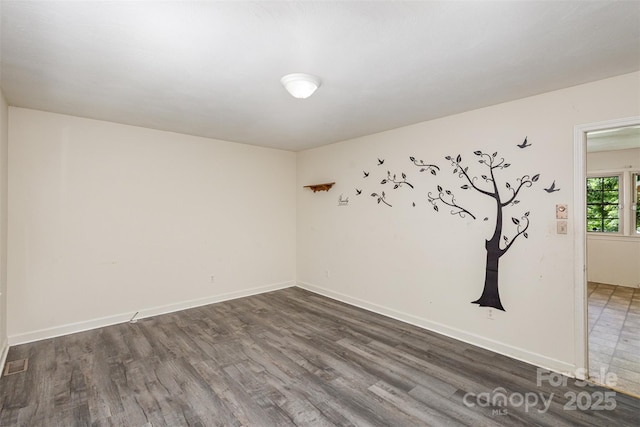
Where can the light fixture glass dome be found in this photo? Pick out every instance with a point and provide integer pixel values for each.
(300, 85)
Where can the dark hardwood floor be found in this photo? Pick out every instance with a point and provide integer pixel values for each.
(282, 358)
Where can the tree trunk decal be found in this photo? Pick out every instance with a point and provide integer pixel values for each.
(504, 194)
(499, 243)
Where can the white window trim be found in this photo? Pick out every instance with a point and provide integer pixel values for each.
(626, 218)
(601, 174)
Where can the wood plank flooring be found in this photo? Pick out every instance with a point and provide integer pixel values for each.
(284, 358)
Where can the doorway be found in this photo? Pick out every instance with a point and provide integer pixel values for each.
(607, 239)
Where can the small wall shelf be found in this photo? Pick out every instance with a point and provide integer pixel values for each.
(320, 187)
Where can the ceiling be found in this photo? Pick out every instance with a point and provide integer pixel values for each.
(213, 68)
(613, 139)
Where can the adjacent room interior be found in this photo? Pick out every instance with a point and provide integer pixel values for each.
(319, 213)
(613, 248)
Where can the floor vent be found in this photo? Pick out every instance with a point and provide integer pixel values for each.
(16, 367)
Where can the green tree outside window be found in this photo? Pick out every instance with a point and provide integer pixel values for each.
(603, 201)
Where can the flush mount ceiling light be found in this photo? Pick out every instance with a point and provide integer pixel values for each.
(300, 85)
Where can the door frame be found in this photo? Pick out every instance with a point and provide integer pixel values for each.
(581, 343)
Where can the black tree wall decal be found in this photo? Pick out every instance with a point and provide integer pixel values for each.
(488, 186)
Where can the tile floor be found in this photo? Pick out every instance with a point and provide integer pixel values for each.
(614, 333)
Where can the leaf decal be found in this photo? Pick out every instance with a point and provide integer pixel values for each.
(535, 177)
(459, 158)
(478, 153)
(516, 221)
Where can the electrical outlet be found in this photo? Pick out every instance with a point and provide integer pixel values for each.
(562, 227)
(327, 274)
(213, 279)
(490, 314)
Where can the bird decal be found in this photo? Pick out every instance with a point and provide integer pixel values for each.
(524, 143)
(552, 188)
(366, 174)
(380, 162)
(358, 192)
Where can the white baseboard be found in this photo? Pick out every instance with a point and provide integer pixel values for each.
(474, 339)
(143, 313)
(460, 335)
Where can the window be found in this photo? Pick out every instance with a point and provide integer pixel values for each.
(603, 204)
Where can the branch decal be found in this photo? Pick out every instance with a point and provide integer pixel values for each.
(381, 198)
(446, 197)
(397, 183)
(433, 169)
(521, 230)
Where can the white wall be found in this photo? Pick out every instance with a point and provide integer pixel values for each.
(107, 220)
(4, 347)
(426, 267)
(614, 259)
(613, 160)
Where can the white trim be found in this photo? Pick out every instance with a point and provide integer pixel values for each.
(143, 313)
(3, 355)
(581, 342)
(460, 335)
(613, 237)
(580, 249)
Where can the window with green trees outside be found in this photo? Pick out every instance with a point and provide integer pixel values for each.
(603, 201)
